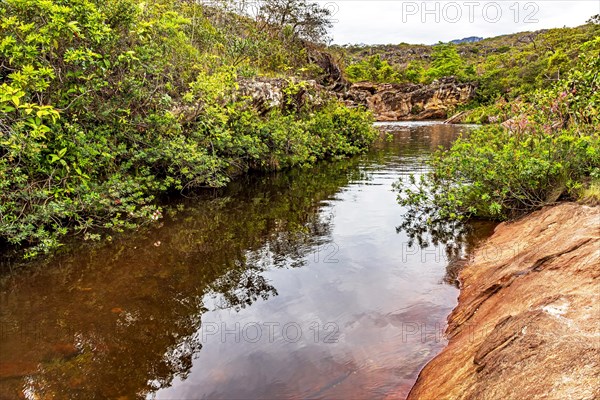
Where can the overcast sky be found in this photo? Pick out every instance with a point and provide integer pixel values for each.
(396, 21)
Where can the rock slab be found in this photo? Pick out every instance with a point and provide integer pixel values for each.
(400, 102)
(527, 325)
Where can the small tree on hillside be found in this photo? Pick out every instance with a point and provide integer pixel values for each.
(299, 18)
(445, 61)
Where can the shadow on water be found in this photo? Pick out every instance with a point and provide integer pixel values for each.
(129, 312)
(125, 320)
(458, 239)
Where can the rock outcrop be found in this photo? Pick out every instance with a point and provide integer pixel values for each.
(266, 94)
(399, 102)
(527, 325)
(278, 93)
(332, 76)
(388, 102)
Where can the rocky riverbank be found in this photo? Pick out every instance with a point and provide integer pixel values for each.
(388, 102)
(528, 320)
(401, 102)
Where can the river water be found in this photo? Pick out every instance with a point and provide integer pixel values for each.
(290, 285)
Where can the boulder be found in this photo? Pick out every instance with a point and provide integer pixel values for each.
(270, 93)
(266, 94)
(527, 325)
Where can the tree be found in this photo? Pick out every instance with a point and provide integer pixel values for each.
(373, 69)
(594, 19)
(301, 19)
(447, 62)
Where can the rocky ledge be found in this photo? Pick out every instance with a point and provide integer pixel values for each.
(527, 325)
(388, 102)
(400, 102)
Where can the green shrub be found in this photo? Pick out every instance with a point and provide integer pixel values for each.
(445, 61)
(105, 105)
(549, 151)
(373, 69)
(496, 174)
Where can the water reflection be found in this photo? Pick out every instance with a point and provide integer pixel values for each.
(144, 316)
(129, 313)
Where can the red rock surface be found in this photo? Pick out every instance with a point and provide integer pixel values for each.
(528, 321)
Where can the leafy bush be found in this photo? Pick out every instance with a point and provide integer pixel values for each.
(496, 174)
(413, 72)
(549, 151)
(445, 61)
(105, 105)
(373, 69)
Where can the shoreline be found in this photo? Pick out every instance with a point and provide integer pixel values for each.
(527, 321)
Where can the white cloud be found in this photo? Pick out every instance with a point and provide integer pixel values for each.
(396, 21)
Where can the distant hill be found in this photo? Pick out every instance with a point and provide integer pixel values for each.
(470, 39)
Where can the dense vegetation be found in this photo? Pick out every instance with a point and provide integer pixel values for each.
(503, 67)
(444, 61)
(538, 90)
(106, 104)
(549, 150)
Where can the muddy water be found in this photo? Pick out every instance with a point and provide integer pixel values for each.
(294, 285)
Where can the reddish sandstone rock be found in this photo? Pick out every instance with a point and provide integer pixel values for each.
(528, 321)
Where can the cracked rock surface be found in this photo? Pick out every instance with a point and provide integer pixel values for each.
(527, 325)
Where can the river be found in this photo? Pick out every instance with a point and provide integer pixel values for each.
(289, 285)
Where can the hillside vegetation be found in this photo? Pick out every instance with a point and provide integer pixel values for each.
(504, 66)
(106, 104)
(539, 92)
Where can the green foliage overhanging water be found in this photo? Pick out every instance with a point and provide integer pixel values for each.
(106, 104)
(548, 151)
